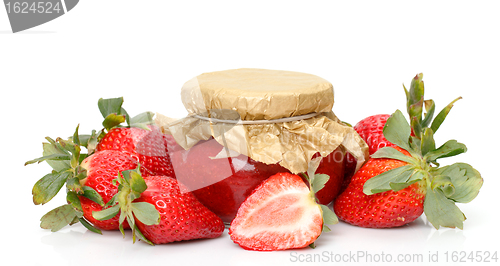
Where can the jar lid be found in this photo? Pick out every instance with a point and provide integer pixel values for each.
(258, 94)
(268, 97)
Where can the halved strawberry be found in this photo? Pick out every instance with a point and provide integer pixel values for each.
(281, 213)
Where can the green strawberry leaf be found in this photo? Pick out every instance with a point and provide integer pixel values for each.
(73, 184)
(76, 138)
(142, 120)
(141, 237)
(113, 120)
(93, 141)
(93, 195)
(444, 183)
(390, 152)
(466, 181)
(110, 106)
(112, 201)
(427, 143)
(57, 156)
(106, 214)
(441, 211)
(89, 226)
(415, 144)
(416, 126)
(382, 182)
(448, 149)
(127, 117)
(329, 217)
(416, 93)
(72, 198)
(58, 218)
(145, 212)
(397, 130)
(319, 182)
(84, 139)
(137, 183)
(430, 108)
(48, 186)
(436, 123)
(415, 103)
(69, 146)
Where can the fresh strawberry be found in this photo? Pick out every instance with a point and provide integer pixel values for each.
(183, 217)
(387, 209)
(370, 130)
(102, 168)
(65, 156)
(398, 184)
(161, 211)
(281, 213)
(150, 146)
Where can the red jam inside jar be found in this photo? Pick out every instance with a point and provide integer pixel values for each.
(223, 184)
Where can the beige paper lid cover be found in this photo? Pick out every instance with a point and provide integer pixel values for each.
(258, 94)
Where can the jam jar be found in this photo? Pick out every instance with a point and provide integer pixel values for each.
(223, 184)
(245, 125)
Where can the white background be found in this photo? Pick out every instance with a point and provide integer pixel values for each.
(51, 77)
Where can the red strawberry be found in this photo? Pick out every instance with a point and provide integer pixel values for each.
(102, 167)
(399, 183)
(150, 146)
(280, 214)
(370, 130)
(64, 156)
(386, 209)
(161, 211)
(183, 217)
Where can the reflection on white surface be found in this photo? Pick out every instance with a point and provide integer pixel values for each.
(415, 244)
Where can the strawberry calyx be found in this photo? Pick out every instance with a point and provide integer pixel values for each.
(442, 186)
(114, 116)
(316, 182)
(131, 186)
(65, 157)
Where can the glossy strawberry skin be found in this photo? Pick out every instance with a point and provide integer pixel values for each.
(102, 167)
(151, 148)
(382, 210)
(182, 216)
(371, 129)
(280, 214)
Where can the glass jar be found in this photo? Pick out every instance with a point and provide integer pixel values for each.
(246, 125)
(223, 184)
